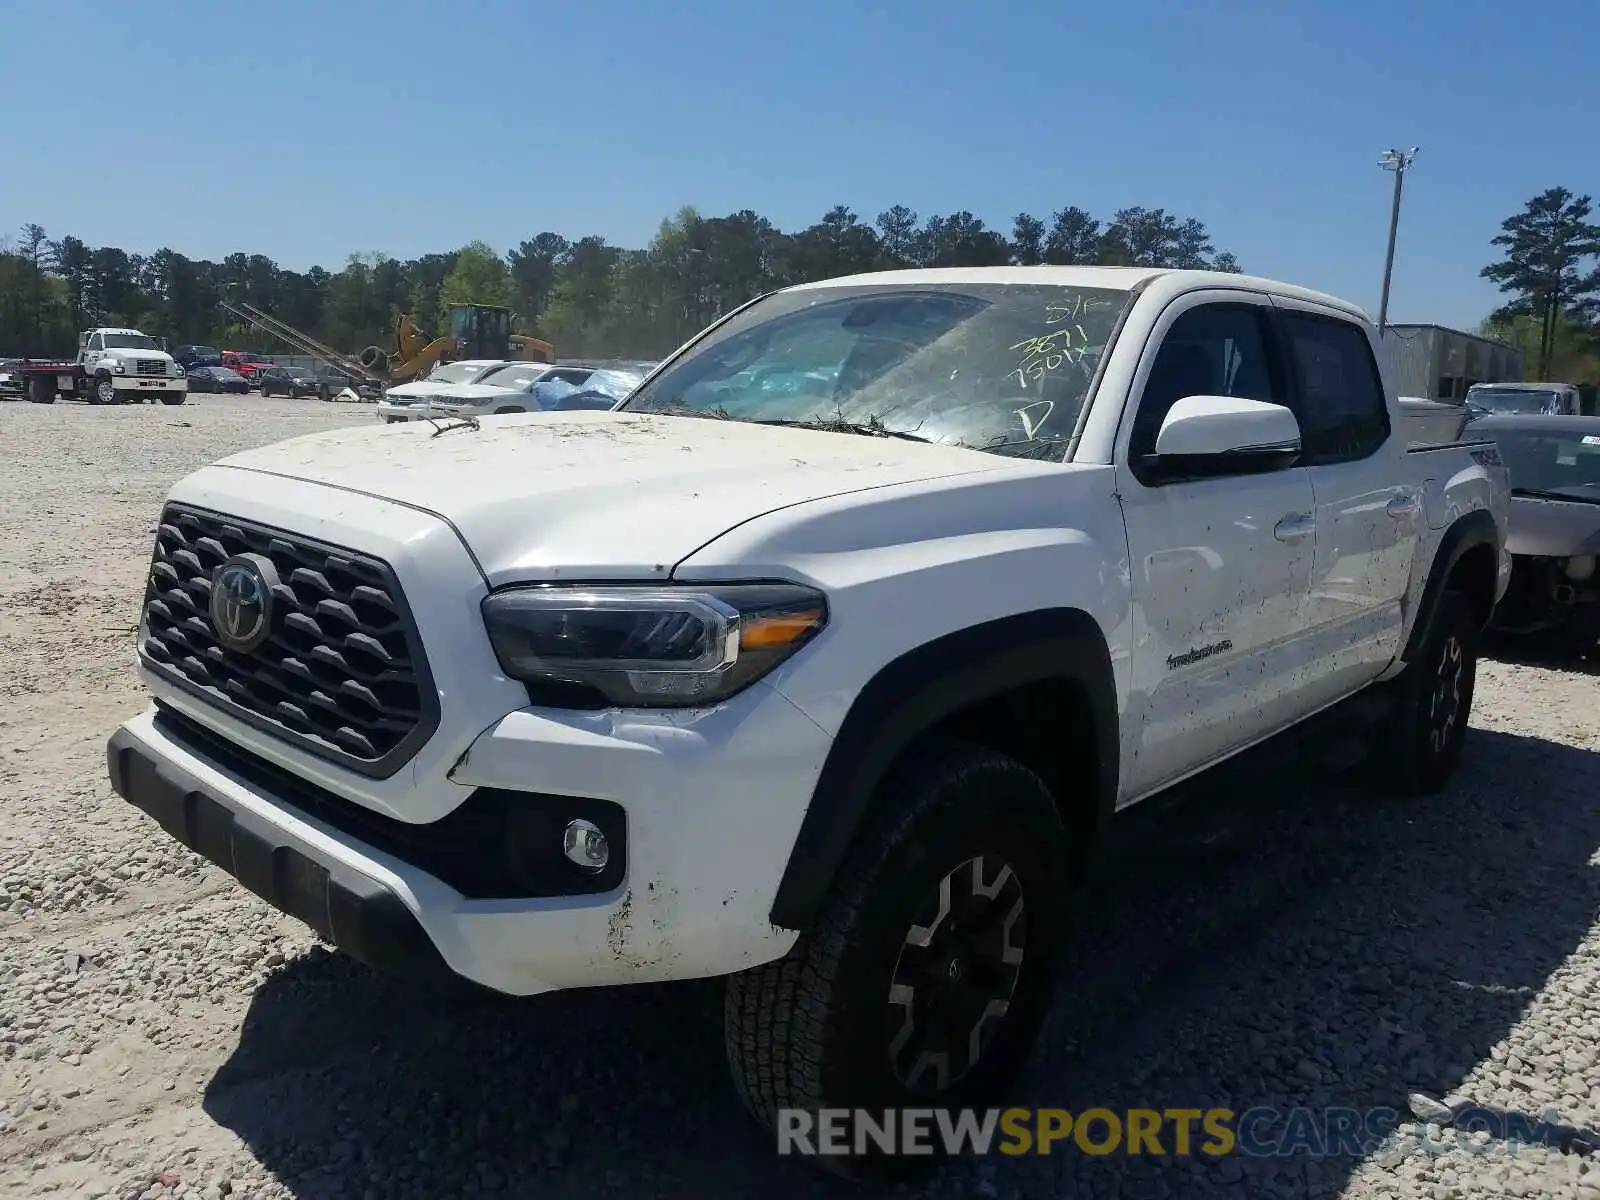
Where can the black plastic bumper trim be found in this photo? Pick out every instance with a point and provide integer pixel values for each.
(352, 911)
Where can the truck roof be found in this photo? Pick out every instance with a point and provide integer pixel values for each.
(1091, 277)
(116, 329)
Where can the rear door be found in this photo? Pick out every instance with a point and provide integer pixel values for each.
(1220, 566)
(1367, 506)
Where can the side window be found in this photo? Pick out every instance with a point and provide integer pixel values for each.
(94, 343)
(1212, 350)
(1343, 413)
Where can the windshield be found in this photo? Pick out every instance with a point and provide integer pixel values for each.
(613, 383)
(1514, 400)
(130, 341)
(1002, 367)
(457, 372)
(518, 376)
(1565, 464)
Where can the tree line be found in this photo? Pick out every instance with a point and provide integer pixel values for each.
(587, 296)
(592, 298)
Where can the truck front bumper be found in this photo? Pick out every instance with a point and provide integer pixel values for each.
(149, 383)
(355, 911)
(710, 804)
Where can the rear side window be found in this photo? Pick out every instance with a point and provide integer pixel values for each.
(1343, 415)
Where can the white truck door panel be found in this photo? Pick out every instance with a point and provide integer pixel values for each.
(1220, 567)
(1368, 510)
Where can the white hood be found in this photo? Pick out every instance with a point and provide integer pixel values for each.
(598, 494)
(120, 353)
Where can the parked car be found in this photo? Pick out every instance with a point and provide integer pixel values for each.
(511, 387)
(1554, 533)
(466, 370)
(217, 379)
(197, 356)
(245, 364)
(606, 388)
(331, 381)
(288, 381)
(838, 702)
(1555, 399)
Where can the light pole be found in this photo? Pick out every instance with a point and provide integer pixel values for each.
(1399, 163)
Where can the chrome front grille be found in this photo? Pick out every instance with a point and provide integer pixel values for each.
(342, 671)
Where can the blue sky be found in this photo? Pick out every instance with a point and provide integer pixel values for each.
(306, 130)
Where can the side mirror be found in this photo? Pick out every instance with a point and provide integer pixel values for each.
(1225, 435)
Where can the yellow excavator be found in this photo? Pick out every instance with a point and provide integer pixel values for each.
(476, 331)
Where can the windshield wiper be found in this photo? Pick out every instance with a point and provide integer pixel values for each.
(1546, 494)
(1036, 446)
(871, 427)
(865, 428)
(467, 422)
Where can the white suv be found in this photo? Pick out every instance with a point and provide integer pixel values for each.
(506, 387)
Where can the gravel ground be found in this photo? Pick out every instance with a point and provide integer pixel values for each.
(162, 1032)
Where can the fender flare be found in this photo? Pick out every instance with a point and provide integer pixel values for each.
(1476, 528)
(915, 692)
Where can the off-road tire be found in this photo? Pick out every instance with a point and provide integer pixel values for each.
(1432, 704)
(815, 1028)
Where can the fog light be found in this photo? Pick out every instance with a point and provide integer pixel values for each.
(585, 846)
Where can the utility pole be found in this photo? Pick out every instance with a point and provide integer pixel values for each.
(1399, 163)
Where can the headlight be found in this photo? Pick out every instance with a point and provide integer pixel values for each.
(651, 647)
(118, 369)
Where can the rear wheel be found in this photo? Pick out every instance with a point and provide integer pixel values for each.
(929, 971)
(42, 389)
(174, 397)
(1433, 702)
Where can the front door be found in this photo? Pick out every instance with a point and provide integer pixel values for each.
(1220, 567)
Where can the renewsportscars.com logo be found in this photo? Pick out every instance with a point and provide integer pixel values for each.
(841, 1131)
(1166, 1132)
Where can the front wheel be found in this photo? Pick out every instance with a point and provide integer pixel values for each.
(1433, 702)
(105, 392)
(174, 397)
(927, 975)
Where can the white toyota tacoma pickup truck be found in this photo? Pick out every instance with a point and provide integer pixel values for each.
(824, 662)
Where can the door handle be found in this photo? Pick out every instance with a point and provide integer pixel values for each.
(1294, 527)
(1401, 506)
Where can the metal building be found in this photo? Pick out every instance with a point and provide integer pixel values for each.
(1437, 363)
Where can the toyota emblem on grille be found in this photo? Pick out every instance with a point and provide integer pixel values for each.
(241, 602)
